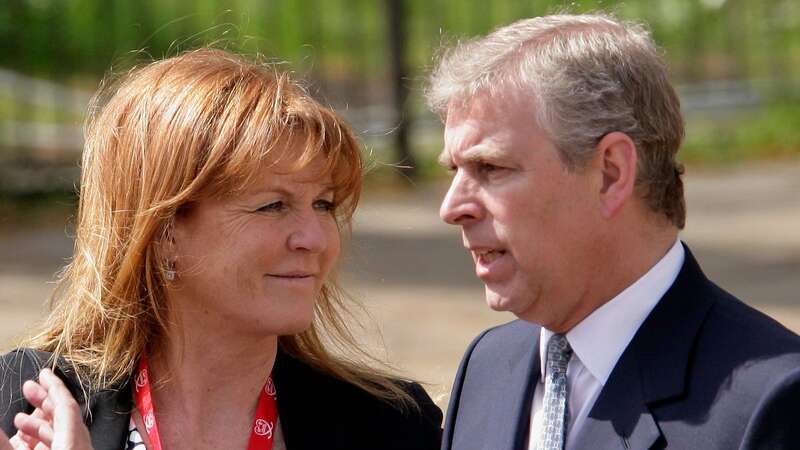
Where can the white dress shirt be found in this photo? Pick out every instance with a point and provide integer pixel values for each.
(598, 342)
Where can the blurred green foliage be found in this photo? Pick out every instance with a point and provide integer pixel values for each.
(770, 131)
(703, 38)
(49, 113)
(341, 46)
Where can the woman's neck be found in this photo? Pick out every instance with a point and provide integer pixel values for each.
(215, 366)
(206, 382)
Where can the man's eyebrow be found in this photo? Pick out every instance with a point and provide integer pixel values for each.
(481, 153)
(475, 154)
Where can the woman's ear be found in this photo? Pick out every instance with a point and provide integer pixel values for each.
(618, 160)
(166, 250)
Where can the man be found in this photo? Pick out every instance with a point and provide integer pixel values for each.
(561, 133)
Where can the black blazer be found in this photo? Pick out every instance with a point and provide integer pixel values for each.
(704, 371)
(316, 410)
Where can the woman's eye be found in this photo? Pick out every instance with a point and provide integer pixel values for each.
(324, 205)
(272, 207)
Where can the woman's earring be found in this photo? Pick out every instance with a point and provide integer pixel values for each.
(169, 271)
(168, 245)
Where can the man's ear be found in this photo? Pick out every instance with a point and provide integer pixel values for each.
(618, 158)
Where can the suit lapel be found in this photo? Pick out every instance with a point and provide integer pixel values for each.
(491, 404)
(509, 415)
(652, 368)
(620, 418)
(110, 417)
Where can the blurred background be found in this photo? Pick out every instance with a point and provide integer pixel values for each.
(736, 64)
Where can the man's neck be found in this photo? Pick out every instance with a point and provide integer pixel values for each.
(634, 257)
(628, 258)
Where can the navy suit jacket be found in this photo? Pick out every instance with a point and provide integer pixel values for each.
(704, 371)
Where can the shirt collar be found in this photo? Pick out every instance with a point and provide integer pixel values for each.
(599, 340)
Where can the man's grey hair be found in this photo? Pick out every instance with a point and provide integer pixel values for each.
(587, 76)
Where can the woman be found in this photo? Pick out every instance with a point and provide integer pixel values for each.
(200, 308)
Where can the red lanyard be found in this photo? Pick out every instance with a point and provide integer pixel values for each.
(263, 423)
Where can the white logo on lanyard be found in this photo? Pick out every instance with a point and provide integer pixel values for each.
(149, 421)
(141, 379)
(263, 428)
(269, 388)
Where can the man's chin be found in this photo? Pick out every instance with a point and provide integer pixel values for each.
(497, 301)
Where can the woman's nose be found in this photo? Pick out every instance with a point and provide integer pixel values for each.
(310, 234)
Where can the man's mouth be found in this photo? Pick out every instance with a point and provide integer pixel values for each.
(488, 256)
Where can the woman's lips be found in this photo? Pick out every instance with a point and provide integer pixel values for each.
(293, 277)
(293, 273)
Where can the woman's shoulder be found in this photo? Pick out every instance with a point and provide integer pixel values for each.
(302, 380)
(427, 409)
(425, 416)
(16, 367)
(22, 364)
(422, 413)
(307, 397)
(406, 426)
(106, 411)
(24, 361)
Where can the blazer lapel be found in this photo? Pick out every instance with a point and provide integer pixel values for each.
(510, 410)
(110, 417)
(298, 387)
(491, 404)
(620, 418)
(652, 369)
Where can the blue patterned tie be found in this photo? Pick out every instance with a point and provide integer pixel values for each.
(554, 406)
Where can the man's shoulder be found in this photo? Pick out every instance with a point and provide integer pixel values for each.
(717, 331)
(503, 342)
(734, 330)
(515, 331)
(742, 368)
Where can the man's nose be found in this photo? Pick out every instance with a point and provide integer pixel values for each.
(460, 205)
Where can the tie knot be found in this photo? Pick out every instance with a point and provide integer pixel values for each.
(558, 353)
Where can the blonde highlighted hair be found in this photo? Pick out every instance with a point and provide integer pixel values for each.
(167, 134)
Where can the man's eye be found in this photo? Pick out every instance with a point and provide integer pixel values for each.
(272, 207)
(485, 168)
(324, 205)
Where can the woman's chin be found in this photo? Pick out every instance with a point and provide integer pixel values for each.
(295, 325)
